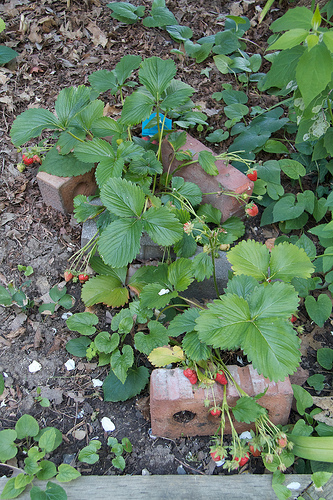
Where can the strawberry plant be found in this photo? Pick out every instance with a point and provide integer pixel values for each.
(6, 53)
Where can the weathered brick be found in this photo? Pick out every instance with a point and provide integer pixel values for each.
(171, 393)
(59, 192)
(231, 179)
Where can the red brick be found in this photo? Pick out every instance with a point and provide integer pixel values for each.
(228, 177)
(59, 192)
(171, 392)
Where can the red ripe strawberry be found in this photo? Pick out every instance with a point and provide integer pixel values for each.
(293, 318)
(252, 210)
(193, 379)
(146, 138)
(243, 460)
(27, 161)
(282, 440)
(68, 275)
(191, 375)
(36, 159)
(215, 456)
(255, 452)
(252, 175)
(221, 378)
(83, 278)
(215, 412)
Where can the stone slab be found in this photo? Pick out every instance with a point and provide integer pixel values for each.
(173, 396)
(229, 178)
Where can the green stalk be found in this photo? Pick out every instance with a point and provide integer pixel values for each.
(319, 449)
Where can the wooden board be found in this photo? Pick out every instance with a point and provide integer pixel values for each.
(191, 487)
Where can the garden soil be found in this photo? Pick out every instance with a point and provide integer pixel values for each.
(60, 44)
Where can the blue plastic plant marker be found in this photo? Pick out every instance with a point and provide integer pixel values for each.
(150, 129)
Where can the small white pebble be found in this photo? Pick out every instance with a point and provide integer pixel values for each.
(145, 472)
(151, 435)
(34, 367)
(294, 486)
(163, 291)
(96, 382)
(66, 315)
(107, 424)
(245, 435)
(80, 414)
(5, 374)
(70, 364)
(220, 463)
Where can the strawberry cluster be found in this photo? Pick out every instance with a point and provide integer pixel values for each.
(191, 375)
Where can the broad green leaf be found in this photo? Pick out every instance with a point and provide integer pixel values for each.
(94, 151)
(202, 266)
(292, 168)
(106, 290)
(58, 436)
(328, 259)
(241, 285)
(307, 245)
(156, 296)
(10, 491)
(283, 69)
(126, 66)
(179, 33)
(30, 467)
(188, 190)
(30, 124)
(184, 322)
(199, 51)
(250, 258)
(47, 470)
(247, 410)
(67, 473)
(218, 135)
(105, 342)
(156, 74)
(290, 39)
(123, 198)
(160, 17)
(120, 242)
(311, 83)
(325, 357)
(57, 293)
(127, 445)
(230, 96)
(106, 126)
(210, 213)
(316, 381)
(121, 362)
(83, 323)
(136, 381)
(158, 336)
(301, 428)
(303, 398)
(71, 101)
(47, 440)
(103, 80)
(163, 356)
(319, 310)
(288, 261)
(194, 348)
(207, 162)
(78, 347)
(137, 107)
(274, 146)
(223, 63)
(287, 208)
(224, 322)
(101, 268)
(180, 274)
(273, 301)
(6, 54)
(328, 40)
(126, 12)
(5, 297)
(26, 426)
(64, 165)
(90, 113)
(236, 111)
(119, 462)
(226, 43)
(123, 321)
(162, 226)
(83, 210)
(89, 454)
(299, 17)
(8, 448)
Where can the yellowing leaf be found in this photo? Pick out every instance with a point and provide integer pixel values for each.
(162, 356)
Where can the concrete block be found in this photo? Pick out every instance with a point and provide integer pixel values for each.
(229, 178)
(177, 407)
(59, 192)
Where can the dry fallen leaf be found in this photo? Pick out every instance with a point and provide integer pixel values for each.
(98, 37)
(270, 243)
(326, 403)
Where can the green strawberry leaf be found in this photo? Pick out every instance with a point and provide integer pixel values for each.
(162, 226)
(247, 410)
(288, 261)
(194, 348)
(156, 296)
(250, 258)
(180, 274)
(120, 242)
(31, 123)
(123, 198)
(104, 289)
